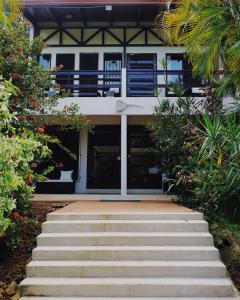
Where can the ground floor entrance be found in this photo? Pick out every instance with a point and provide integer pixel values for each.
(117, 157)
(104, 159)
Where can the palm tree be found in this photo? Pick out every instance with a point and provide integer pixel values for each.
(210, 31)
(10, 10)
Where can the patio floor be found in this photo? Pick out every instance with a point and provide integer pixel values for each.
(123, 207)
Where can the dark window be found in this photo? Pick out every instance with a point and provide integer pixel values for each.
(45, 61)
(179, 62)
(67, 62)
(88, 62)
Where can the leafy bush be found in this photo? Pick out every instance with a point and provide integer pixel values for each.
(200, 153)
(172, 131)
(217, 177)
(20, 148)
(20, 234)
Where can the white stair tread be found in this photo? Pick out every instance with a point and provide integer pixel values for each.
(124, 214)
(78, 263)
(126, 221)
(124, 281)
(135, 248)
(128, 298)
(123, 234)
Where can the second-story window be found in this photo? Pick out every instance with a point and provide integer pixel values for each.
(179, 62)
(45, 61)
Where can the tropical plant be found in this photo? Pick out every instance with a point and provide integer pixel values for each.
(216, 175)
(219, 164)
(10, 10)
(210, 31)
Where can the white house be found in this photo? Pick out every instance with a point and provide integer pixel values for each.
(111, 57)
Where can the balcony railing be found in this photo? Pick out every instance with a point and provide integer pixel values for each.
(126, 83)
(89, 83)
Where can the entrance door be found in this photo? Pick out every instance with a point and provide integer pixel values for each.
(88, 62)
(144, 84)
(143, 172)
(104, 161)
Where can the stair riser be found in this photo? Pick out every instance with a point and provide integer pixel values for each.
(125, 255)
(122, 271)
(166, 216)
(139, 290)
(126, 241)
(124, 227)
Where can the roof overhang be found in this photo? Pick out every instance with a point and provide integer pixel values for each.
(89, 11)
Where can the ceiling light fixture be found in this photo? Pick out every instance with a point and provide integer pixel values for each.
(108, 7)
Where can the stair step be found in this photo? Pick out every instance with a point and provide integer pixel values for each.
(126, 225)
(133, 216)
(211, 269)
(125, 253)
(126, 238)
(128, 298)
(135, 287)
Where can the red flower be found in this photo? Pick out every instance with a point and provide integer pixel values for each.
(16, 215)
(61, 66)
(41, 130)
(26, 218)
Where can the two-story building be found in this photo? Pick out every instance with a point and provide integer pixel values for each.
(111, 65)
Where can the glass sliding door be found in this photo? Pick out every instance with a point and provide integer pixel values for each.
(143, 171)
(104, 161)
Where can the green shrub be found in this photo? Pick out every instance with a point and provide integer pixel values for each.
(20, 148)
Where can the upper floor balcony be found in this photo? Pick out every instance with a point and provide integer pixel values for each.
(126, 83)
(141, 77)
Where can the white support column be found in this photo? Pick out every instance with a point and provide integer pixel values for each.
(124, 82)
(123, 155)
(81, 184)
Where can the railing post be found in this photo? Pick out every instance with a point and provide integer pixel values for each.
(124, 83)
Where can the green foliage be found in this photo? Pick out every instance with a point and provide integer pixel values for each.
(210, 31)
(172, 131)
(200, 153)
(10, 11)
(19, 62)
(217, 176)
(20, 234)
(20, 148)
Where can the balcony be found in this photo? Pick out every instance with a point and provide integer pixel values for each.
(126, 83)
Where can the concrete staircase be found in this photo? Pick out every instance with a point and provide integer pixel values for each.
(164, 256)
